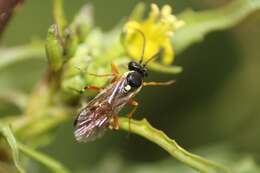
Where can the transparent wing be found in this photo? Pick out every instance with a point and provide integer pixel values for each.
(91, 124)
(94, 119)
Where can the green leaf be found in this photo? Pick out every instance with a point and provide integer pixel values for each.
(17, 98)
(144, 129)
(20, 53)
(171, 69)
(199, 24)
(8, 134)
(49, 162)
(237, 161)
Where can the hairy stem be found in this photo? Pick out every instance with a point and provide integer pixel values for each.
(144, 129)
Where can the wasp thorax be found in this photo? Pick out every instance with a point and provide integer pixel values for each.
(134, 79)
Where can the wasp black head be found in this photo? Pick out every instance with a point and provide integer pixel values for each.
(137, 67)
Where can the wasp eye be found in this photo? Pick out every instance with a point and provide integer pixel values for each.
(134, 79)
(132, 65)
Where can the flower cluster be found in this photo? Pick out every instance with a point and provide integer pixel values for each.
(158, 30)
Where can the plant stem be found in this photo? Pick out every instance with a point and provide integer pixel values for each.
(59, 16)
(144, 129)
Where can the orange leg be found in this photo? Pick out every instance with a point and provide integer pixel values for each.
(101, 75)
(158, 83)
(93, 74)
(114, 74)
(92, 88)
(115, 71)
(132, 103)
(130, 114)
(114, 123)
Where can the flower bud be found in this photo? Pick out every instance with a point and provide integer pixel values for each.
(71, 43)
(83, 22)
(54, 48)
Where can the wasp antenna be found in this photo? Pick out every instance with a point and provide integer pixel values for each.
(144, 43)
(156, 55)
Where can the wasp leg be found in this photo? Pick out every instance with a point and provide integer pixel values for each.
(132, 103)
(83, 72)
(115, 72)
(101, 75)
(92, 88)
(114, 69)
(130, 114)
(158, 83)
(114, 123)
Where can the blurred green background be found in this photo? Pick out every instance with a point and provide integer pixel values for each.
(213, 109)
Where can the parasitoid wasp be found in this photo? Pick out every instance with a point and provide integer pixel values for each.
(101, 112)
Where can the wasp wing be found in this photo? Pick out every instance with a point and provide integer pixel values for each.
(94, 119)
(91, 124)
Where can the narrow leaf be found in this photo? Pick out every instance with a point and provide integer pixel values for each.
(170, 69)
(198, 24)
(144, 129)
(49, 162)
(19, 53)
(8, 134)
(17, 98)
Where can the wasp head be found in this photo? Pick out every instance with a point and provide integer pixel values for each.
(135, 78)
(137, 67)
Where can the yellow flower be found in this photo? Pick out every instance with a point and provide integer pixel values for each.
(158, 30)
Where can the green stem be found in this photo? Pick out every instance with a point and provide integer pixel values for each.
(144, 129)
(59, 16)
(52, 164)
